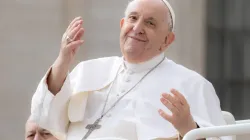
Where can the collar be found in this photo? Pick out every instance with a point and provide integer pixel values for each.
(144, 65)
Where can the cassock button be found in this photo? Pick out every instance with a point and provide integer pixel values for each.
(130, 72)
(127, 80)
(123, 90)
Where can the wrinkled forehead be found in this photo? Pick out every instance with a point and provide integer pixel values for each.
(31, 126)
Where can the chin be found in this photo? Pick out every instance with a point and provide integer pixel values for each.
(131, 53)
(131, 50)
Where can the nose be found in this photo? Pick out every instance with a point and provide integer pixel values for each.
(38, 137)
(138, 27)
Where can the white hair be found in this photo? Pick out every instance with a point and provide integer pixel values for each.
(169, 16)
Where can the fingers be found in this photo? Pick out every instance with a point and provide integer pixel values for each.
(79, 34)
(179, 96)
(165, 115)
(73, 22)
(72, 34)
(173, 100)
(74, 28)
(76, 24)
(75, 44)
(170, 105)
(181, 117)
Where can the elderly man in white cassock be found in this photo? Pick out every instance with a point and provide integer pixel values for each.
(140, 96)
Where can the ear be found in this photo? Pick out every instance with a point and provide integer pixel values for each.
(122, 22)
(169, 39)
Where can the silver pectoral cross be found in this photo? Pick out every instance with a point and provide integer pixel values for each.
(91, 128)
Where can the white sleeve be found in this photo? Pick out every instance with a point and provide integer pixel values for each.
(205, 104)
(49, 111)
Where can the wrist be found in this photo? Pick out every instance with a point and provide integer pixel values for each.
(190, 127)
(60, 70)
(62, 62)
(57, 76)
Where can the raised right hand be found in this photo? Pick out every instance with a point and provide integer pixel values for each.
(71, 41)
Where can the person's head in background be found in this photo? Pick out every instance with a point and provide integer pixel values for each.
(34, 132)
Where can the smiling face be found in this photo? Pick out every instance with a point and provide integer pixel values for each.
(144, 30)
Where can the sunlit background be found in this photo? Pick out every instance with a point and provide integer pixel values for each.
(212, 38)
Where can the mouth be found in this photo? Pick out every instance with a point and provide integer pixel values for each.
(138, 39)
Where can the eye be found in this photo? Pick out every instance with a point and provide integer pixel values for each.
(150, 23)
(30, 135)
(132, 17)
(46, 134)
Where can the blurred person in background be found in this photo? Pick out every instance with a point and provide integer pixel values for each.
(34, 132)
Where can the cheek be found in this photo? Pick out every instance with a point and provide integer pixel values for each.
(152, 39)
(154, 43)
(156, 40)
(126, 29)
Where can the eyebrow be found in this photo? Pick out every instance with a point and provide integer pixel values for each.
(133, 13)
(151, 18)
(43, 130)
(31, 131)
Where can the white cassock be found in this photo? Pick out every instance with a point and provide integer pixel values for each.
(83, 95)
